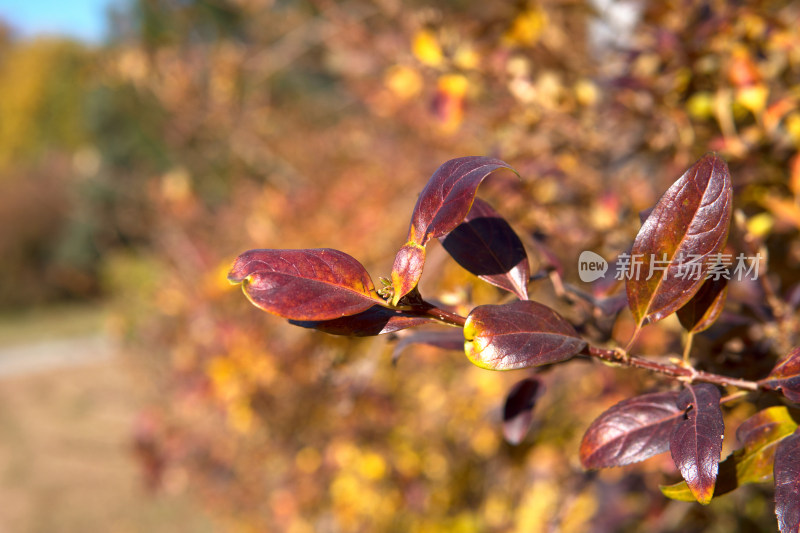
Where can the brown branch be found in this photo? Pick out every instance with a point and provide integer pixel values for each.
(447, 317)
(679, 372)
(620, 357)
(420, 307)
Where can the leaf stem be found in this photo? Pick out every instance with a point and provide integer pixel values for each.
(634, 337)
(684, 373)
(734, 396)
(417, 306)
(447, 317)
(687, 348)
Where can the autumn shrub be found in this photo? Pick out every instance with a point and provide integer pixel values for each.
(321, 130)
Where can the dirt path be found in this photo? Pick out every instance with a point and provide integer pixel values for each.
(42, 356)
(66, 411)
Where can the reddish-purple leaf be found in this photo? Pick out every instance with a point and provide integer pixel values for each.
(442, 205)
(520, 334)
(785, 377)
(451, 339)
(376, 320)
(696, 441)
(517, 411)
(688, 224)
(631, 431)
(407, 269)
(787, 483)
(753, 463)
(486, 246)
(705, 307)
(318, 284)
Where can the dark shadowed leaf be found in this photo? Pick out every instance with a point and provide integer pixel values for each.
(705, 306)
(785, 377)
(486, 246)
(688, 224)
(612, 305)
(550, 261)
(317, 284)
(631, 431)
(451, 339)
(376, 320)
(696, 441)
(441, 206)
(518, 335)
(787, 483)
(753, 463)
(607, 305)
(517, 411)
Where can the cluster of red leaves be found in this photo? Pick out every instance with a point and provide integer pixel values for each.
(596, 140)
(691, 219)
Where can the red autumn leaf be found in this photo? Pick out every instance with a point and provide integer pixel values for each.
(376, 320)
(517, 411)
(486, 245)
(520, 334)
(631, 431)
(705, 307)
(785, 377)
(442, 205)
(407, 269)
(688, 224)
(787, 483)
(696, 441)
(753, 463)
(318, 284)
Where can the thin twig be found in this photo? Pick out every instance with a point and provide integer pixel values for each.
(684, 373)
(621, 357)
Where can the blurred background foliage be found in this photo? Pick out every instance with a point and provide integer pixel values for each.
(134, 172)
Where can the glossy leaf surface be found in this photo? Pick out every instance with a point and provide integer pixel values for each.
(520, 334)
(376, 320)
(517, 411)
(313, 284)
(787, 483)
(631, 431)
(486, 245)
(696, 441)
(407, 269)
(441, 206)
(785, 377)
(753, 463)
(689, 223)
(704, 308)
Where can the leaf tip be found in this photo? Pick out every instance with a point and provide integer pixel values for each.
(703, 495)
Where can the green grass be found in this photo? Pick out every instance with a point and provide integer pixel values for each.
(56, 322)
